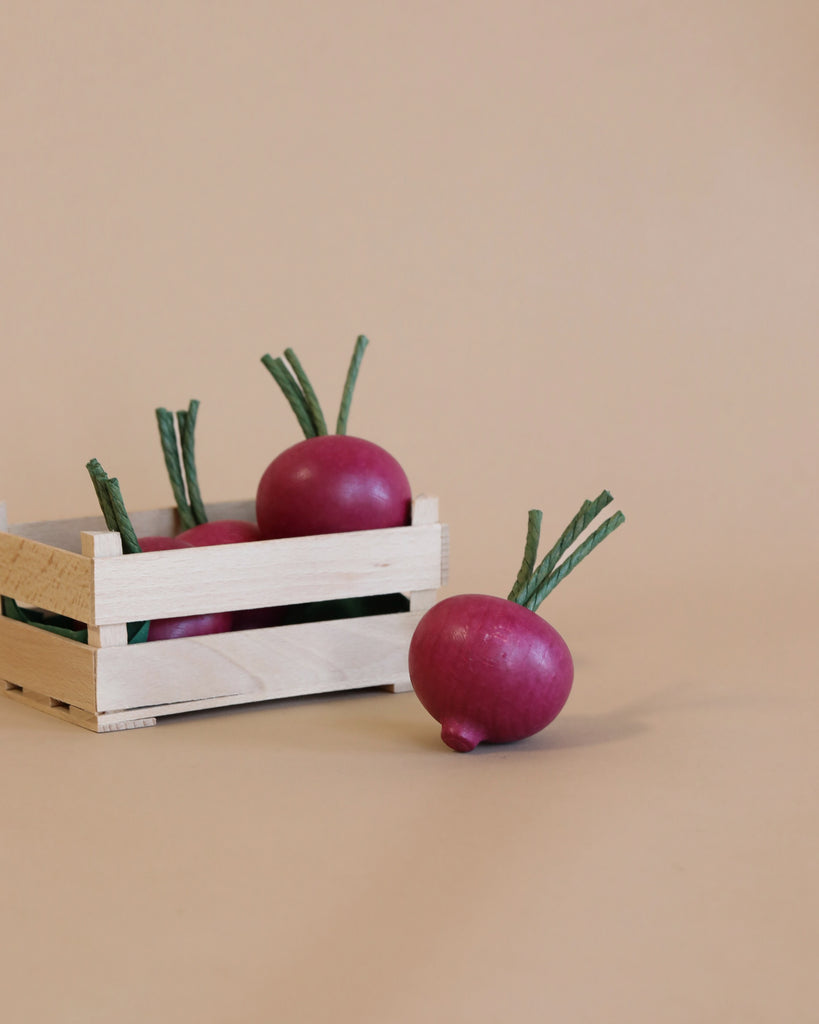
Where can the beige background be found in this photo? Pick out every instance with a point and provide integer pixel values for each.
(583, 240)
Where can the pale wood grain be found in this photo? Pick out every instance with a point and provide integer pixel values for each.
(38, 574)
(424, 510)
(47, 663)
(108, 685)
(253, 665)
(79, 716)
(104, 544)
(160, 584)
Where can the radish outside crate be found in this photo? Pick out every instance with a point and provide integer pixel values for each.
(75, 568)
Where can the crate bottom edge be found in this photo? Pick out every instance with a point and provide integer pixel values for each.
(142, 717)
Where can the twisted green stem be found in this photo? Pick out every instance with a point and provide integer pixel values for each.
(130, 543)
(187, 430)
(529, 553)
(99, 478)
(170, 450)
(311, 401)
(299, 392)
(532, 586)
(292, 392)
(577, 556)
(109, 495)
(583, 518)
(361, 344)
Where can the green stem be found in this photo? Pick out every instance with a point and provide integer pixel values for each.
(170, 450)
(529, 553)
(349, 384)
(130, 543)
(99, 479)
(292, 392)
(573, 560)
(112, 505)
(187, 432)
(310, 397)
(116, 516)
(583, 518)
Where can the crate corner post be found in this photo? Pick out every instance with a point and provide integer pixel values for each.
(108, 544)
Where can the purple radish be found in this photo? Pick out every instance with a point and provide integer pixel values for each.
(328, 483)
(220, 531)
(490, 669)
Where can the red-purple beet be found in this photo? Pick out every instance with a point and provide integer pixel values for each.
(258, 618)
(488, 670)
(182, 625)
(328, 483)
(332, 484)
(154, 543)
(220, 531)
(190, 625)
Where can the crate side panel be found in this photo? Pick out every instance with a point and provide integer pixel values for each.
(266, 573)
(39, 574)
(254, 665)
(49, 664)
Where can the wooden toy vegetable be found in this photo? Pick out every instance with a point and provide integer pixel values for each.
(490, 669)
(177, 438)
(328, 483)
(180, 462)
(182, 625)
(116, 517)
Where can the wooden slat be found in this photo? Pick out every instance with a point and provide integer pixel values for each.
(47, 663)
(78, 716)
(48, 577)
(159, 584)
(444, 554)
(253, 665)
(424, 510)
(105, 544)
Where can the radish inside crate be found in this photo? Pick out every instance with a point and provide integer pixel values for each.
(349, 604)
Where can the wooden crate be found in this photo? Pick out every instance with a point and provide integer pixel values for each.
(75, 567)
